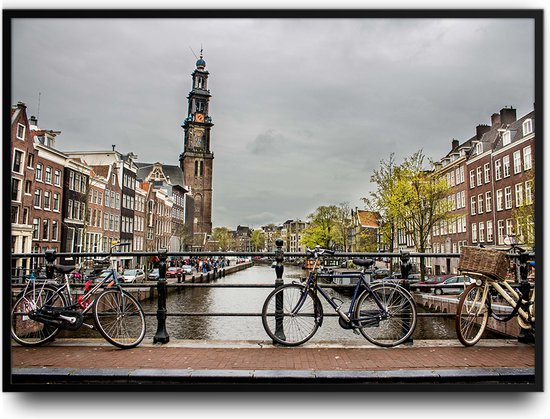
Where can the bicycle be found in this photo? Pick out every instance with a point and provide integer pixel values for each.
(384, 313)
(46, 306)
(489, 268)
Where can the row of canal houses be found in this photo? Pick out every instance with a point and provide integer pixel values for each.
(82, 201)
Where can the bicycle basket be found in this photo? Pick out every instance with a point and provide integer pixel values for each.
(490, 262)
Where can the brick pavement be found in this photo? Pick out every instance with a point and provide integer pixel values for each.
(228, 356)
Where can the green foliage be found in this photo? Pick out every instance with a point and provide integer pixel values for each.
(223, 237)
(328, 227)
(257, 240)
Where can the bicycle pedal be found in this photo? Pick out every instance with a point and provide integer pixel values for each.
(90, 326)
(356, 331)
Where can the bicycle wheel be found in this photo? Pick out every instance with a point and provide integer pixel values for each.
(284, 321)
(471, 315)
(378, 329)
(119, 318)
(28, 332)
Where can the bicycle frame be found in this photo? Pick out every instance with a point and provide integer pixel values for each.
(311, 283)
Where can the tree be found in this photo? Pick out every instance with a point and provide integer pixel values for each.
(343, 224)
(379, 200)
(418, 201)
(323, 229)
(223, 237)
(257, 240)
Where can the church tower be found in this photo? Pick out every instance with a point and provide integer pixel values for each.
(197, 159)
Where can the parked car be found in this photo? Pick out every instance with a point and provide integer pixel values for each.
(133, 275)
(454, 282)
(173, 272)
(187, 269)
(153, 274)
(104, 273)
(430, 281)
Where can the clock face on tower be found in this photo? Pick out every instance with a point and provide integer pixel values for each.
(199, 117)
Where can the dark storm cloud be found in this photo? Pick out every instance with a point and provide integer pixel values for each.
(304, 109)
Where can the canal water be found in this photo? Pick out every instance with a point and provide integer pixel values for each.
(250, 300)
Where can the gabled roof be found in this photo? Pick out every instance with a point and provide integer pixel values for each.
(516, 129)
(368, 219)
(174, 174)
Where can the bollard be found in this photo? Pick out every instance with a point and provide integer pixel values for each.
(161, 335)
(279, 268)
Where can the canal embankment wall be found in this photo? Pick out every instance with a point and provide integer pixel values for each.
(446, 304)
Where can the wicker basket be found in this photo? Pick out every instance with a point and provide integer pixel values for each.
(490, 262)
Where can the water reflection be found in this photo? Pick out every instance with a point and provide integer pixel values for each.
(250, 300)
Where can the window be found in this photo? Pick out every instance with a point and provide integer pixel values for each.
(17, 166)
(519, 194)
(30, 161)
(487, 172)
(506, 165)
(473, 205)
(461, 174)
(77, 182)
(457, 200)
(529, 192)
(57, 178)
(498, 170)
(452, 178)
(499, 200)
(15, 214)
(509, 227)
(506, 138)
(457, 175)
(472, 179)
(508, 197)
(478, 172)
(527, 163)
(527, 126)
(489, 231)
(46, 230)
(500, 231)
(21, 131)
(480, 203)
(47, 199)
(481, 232)
(474, 233)
(54, 231)
(71, 181)
(15, 189)
(26, 211)
(37, 198)
(56, 202)
(70, 208)
(488, 203)
(517, 162)
(48, 175)
(38, 175)
(35, 228)
(479, 149)
(112, 199)
(107, 201)
(463, 199)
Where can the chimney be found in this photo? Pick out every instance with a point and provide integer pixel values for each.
(482, 129)
(33, 121)
(495, 120)
(454, 144)
(507, 115)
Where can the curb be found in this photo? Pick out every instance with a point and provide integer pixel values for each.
(26, 377)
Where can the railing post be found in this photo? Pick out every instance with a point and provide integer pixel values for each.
(49, 255)
(406, 268)
(161, 335)
(279, 269)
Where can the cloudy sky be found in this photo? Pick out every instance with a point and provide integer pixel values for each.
(304, 109)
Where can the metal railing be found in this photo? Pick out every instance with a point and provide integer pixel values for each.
(161, 285)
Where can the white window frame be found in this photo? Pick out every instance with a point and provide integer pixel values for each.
(24, 130)
(528, 192)
(500, 200)
(506, 138)
(481, 232)
(38, 173)
(508, 197)
(480, 203)
(472, 179)
(498, 169)
(487, 172)
(527, 159)
(478, 176)
(506, 166)
(473, 205)
(519, 194)
(489, 230)
(527, 127)
(517, 162)
(474, 233)
(488, 203)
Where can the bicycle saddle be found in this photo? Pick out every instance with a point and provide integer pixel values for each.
(64, 269)
(363, 262)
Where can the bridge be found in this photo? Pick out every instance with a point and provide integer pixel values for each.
(162, 361)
